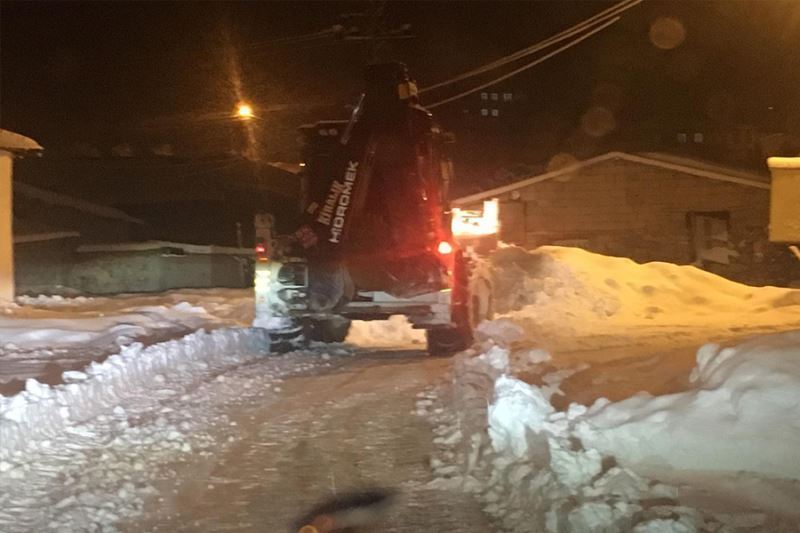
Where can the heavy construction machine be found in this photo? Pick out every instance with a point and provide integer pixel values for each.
(375, 238)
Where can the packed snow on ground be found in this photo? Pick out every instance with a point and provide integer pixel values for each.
(571, 292)
(235, 305)
(54, 332)
(85, 455)
(217, 307)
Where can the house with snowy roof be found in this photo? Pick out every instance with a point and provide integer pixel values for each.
(648, 207)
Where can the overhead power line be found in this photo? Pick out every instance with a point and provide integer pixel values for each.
(576, 29)
(527, 66)
(322, 34)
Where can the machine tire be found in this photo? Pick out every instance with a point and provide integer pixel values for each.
(286, 340)
(447, 341)
(329, 330)
(481, 302)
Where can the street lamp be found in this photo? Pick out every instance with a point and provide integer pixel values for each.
(244, 111)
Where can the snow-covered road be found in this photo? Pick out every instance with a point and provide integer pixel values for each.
(593, 404)
(210, 432)
(352, 425)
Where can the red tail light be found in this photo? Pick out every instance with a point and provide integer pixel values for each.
(261, 252)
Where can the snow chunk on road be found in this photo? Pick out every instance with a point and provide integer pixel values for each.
(517, 410)
(395, 332)
(502, 331)
(749, 394)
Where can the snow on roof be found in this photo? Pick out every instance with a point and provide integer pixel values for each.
(15, 142)
(690, 166)
(158, 245)
(40, 237)
(54, 198)
(701, 164)
(293, 168)
(784, 162)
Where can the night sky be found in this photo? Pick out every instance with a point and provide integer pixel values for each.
(84, 77)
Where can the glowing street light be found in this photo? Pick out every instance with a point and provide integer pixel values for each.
(244, 111)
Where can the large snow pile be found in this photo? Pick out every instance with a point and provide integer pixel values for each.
(741, 415)
(572, 289)
(593, 468)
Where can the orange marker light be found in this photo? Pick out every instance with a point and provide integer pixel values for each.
(445, 248)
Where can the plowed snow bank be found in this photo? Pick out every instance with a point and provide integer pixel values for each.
(560, 289)
(740, 417)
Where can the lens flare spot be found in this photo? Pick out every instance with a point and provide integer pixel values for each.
(561, 160)
(598, 122)
(667, 33)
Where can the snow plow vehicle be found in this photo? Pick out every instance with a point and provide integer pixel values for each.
(375, 238)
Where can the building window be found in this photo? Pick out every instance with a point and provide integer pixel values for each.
(507, 97)
(698, 138)
(484, 112)
(683, 138)
(495, 112)
(484, 96)
(494, 96)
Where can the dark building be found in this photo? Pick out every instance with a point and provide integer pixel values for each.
(199, 201)
(649, 207)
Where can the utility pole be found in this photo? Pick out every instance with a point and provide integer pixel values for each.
(371, 29)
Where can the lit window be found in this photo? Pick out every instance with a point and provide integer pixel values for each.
(495, 112)
(484, 96)
(507, 97)
(682, 138)
(494, 96)
(698, 138)
(485, 112)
